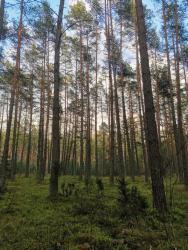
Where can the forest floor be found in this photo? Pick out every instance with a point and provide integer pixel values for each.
(86, 219)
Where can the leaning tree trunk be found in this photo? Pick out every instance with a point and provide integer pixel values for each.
(154, 157)
(56, 108)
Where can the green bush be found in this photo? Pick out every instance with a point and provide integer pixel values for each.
(130, 202)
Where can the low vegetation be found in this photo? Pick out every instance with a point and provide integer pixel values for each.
(118, 217)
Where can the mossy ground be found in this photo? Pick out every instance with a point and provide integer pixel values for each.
(30, 220)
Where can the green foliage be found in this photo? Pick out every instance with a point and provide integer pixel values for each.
(163, 84)
(84, 221)
(100, 186)
(87, 204)
(69, 189)
(78, 14)
(131, 202)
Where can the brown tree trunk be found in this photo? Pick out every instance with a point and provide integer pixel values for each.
(154, 156)
(2, 13)
(182, 141)
(13, 163)
(131, 124)
(96, 106)
(119, 135)
(82, 108)
(28, 157)
(56, 108)
(88, 124)
(16, 132)
(40, 152)
(48, 111)
(141, 111)
(175, 130)
(1, 126)
(126, 132)
(111, 94)
(24, 139)
(11, 105)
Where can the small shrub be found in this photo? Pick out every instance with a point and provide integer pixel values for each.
(88, 204)
(131, 202)
(68, 189)
(100, 186)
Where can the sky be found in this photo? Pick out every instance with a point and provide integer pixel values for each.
(55, 4)
(13, 12)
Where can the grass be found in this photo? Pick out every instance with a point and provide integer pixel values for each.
(30, 220)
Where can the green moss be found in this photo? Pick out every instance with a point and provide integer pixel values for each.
(30, 220)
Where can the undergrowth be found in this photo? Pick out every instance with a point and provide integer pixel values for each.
(97, 217)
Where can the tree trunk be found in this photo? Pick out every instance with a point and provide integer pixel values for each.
(56, 108)
(40, 152)
(82, 109)
(15, 138)
(111, 95)
(24, 139)
(28, 157)
(13, 163)
(1, 126)
(119, 135)
(175, 130)
(48, 111)
(88, 128)
(11, 105)
(131, 124)
(154, 156)
(2, 13)
(96, 106)
(139, 95)
(182, 145)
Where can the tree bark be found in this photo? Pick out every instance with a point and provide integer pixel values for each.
(2, 13)
(88, 128)
(182, 141)
(159, 197)
(28, 157)
(175, 129)
(56, 108)
(111, 94)
(12, 100)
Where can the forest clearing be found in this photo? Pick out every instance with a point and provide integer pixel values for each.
(93, 124)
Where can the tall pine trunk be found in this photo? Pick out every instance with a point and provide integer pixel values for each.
(182, 141)
(12, 100)
(175, 129)
(28, 157)
(56, 108)
(2, 13)
(154, 157)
